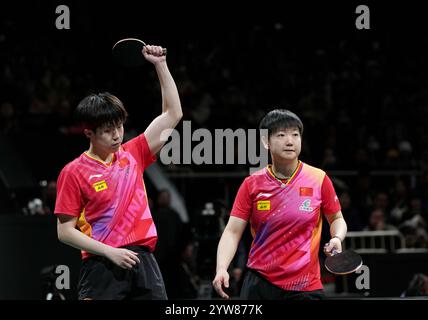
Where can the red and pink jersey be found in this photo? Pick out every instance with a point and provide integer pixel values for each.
(286, 221)
(110, 200)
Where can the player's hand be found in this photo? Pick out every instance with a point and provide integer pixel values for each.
(334, 245)
(124, 258)
(153, 54)
(221, 279)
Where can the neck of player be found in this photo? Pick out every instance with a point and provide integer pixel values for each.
(104, 156)
(284, 169)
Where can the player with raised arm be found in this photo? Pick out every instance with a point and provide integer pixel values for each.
(102, 206)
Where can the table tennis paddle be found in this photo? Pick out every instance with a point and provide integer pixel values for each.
(128, 52)
(344, 262)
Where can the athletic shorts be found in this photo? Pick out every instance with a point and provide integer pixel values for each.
(256, 287)
(101, 279)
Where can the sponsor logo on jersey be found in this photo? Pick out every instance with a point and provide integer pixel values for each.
(261, 194)
(263, 205)
(306, 206)
(100, 185)
(95, 176)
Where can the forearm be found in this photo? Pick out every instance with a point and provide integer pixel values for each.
(78, 240)
(338, 228)
(226, 249)
(170, 97)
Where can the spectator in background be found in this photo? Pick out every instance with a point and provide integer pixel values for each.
(49, 196)
(45, 204)
(423, 189)
(362, 196)
(381, 201)
(379, 212)
(329, 160)
(377, 221)
(186, 279)
(392, 159)
(35, 207)
(353, 218)
(407, 159)
(399, 201)
(170, 230)
(414, 224)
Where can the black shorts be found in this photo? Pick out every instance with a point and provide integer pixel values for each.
(256, 287)
(101, 279)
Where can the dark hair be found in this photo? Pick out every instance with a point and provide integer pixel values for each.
(100, 110)
(278, 119)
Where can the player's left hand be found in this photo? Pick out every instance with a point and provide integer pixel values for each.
(333, 245)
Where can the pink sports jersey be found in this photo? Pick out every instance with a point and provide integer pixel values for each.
(110, 201)
(286, 223)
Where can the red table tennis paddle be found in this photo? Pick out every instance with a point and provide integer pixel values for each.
(128, 52)
(344, 262)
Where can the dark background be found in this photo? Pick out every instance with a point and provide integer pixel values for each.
(232, 63)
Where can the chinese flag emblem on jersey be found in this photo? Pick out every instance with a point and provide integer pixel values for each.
(306, 192)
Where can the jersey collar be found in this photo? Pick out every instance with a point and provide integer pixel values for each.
(285, 182)
(107, 165)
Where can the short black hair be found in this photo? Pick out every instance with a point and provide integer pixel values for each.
(278, 119)
(100, 110)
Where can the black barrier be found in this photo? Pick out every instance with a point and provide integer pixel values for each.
(383, 275)
(33, 258)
